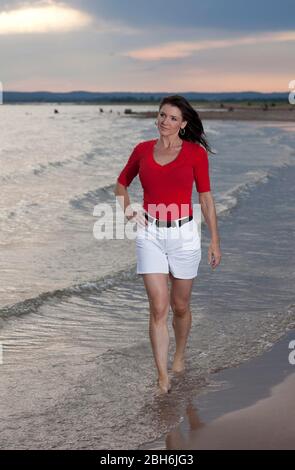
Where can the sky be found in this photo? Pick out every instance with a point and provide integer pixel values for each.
(147, 46)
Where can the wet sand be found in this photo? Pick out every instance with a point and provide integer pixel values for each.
(268, 424)
(251, 115)
(252, 408)
(229, 112)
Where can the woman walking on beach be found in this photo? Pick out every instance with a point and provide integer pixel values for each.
(167, 239)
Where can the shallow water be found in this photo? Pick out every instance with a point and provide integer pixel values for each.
(77, 368)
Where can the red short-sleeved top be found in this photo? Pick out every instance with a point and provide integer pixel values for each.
(167, 189)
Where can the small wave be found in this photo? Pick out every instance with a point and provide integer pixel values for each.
(231, 198)
(43, 168)
(62, 163)
(88, 287)
(92, 197)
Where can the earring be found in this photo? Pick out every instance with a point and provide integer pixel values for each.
(182, 131)
(156, 123)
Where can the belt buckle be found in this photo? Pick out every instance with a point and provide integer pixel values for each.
(172, 223)
(167, 223)
(161, 223)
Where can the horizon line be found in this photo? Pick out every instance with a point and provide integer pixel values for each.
(146, 92)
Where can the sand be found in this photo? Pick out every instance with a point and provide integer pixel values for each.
(268, 424)
(235, 112)
(252, 408)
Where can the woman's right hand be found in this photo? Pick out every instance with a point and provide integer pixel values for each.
(138, 217)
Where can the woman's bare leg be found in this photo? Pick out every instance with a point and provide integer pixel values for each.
(180, 295)
(157, 288)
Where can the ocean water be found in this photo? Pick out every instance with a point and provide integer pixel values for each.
(77, 367)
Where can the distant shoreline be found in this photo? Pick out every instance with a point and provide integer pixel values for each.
(236, 115)
(250, 111)
(254, 110)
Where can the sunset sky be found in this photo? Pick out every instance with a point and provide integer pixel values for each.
(151, 46)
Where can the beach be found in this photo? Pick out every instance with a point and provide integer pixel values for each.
(233, 111)
(77, 368)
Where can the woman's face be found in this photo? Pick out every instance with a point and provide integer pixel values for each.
(170, 120)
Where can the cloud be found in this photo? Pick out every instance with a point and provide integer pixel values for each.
(228, 15)
(137, 45)
(43, 19)
(51, 16)
(182, 49)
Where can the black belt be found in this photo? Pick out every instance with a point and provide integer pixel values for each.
(168, 223)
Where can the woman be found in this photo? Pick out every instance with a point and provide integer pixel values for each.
(167, 240)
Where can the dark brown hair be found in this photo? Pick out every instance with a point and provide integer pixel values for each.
(194, 130)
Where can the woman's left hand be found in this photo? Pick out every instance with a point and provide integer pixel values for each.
(214, 254)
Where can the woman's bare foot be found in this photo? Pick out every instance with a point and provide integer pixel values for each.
(164, 385)
(178, 365)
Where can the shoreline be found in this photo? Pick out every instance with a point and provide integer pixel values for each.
(274, 112)
(250, 407)
(233, 113)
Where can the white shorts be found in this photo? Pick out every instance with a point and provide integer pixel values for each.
(169, 249)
